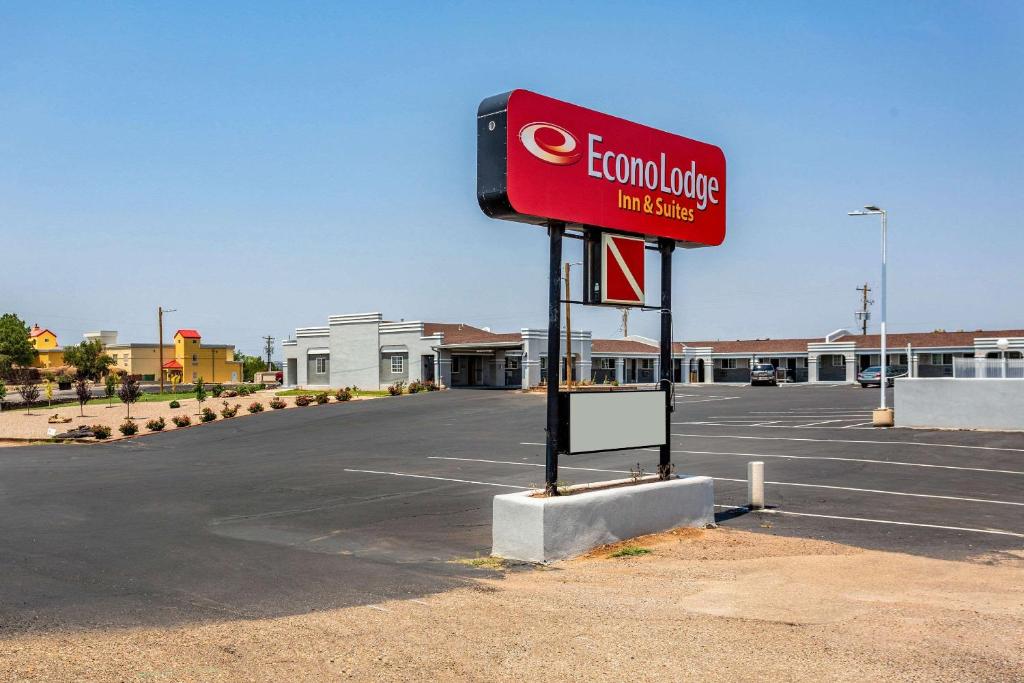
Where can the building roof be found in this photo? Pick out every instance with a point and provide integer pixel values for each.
(938, 339)
(751, 345)
(598, 346)
(460, 333)
(171, 365)
(36, 331)
(188, 334)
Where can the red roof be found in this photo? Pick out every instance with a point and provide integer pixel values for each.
(621, 346)
(172, 365)
(36, 331)
(187, 334)
(460, 333)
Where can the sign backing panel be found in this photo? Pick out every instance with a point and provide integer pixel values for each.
(540, 159)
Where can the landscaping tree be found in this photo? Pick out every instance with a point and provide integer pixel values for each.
(110, 387)
(3, 393)
(129, 392)
(15, 347)
(175, 379)
(28, 388)
(88, 359)
(250, 366)
(83, 389)
(48, 390)
(200, 389)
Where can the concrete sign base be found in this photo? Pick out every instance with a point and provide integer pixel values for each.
(533, 528)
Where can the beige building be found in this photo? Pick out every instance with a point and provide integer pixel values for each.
(186, 357)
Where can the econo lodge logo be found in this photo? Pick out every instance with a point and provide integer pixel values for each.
(551, 143)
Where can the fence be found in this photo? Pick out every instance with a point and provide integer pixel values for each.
(988, 368)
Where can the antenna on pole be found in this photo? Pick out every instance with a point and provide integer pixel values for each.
(268, 347)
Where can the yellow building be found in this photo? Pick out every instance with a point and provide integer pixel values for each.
(49, 354)
(187, 357)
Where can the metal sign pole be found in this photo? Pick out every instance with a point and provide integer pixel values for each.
(666, 247)
(555, 231)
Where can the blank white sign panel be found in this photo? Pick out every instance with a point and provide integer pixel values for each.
(618, 419)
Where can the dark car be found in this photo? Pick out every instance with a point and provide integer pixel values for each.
(763, 373)
(872, 376)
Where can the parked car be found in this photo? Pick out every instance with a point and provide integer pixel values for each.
(872, 376)
(763, 373)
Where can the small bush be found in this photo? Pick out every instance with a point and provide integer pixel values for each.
(128, 428)
(431, 385)
(216, 390)
(343, 395)
(416, 387)
(228, 393)
(303, 400)
(261, 386)
(101, 431)
(174, 404)
(255, 407)
(396, 389)
(181, 420)
(322, 398)
(229, 410)
(277, 403)
(243, 390)
(630, 551)
(156, 425)
(207, 415)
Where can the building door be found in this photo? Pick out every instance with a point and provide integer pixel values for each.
(700, 370)
(293, 371)
(513, 372)
(427, 371)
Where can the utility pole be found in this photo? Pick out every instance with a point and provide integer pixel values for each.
(864, 314)
(568, 336)
(160, 331)
(269, 348)
(625, 321)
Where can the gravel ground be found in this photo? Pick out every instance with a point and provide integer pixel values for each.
(703, 605)
(17, 424)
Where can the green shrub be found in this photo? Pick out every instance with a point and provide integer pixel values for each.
(156, 425)
(216, 390)
(261, 386)
(243, 390)
(229, 410)
(255, 407)
(174, 404)
(303, 400)
(207, 415)
(322, 398)
(277, 403)
(181, 420)
(343, 395)
(416, 387)
(228, 393)
(396, 389)
(128, 428)
(101, 431)
(431, 385)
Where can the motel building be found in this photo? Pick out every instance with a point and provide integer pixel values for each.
(366, 351)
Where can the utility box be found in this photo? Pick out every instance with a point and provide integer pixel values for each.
(611, 421)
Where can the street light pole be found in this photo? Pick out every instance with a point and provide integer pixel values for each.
(871, 210)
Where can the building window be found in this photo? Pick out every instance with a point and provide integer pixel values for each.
(646, 364)
(397, 365)
(728, 363)
(195, 358)
(456, 369)
(512, 362)
(321, 365)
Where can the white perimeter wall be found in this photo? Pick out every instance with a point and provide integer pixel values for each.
(946, 403)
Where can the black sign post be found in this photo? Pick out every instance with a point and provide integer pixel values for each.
(667, 383)
(555, 231)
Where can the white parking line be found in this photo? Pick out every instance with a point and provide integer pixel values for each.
(881, 491)
(812, 424)
(859, 424)
(998, 532)
(900, 443)
(775, 483)
(423, 476)
(732, 424)
(708, 400)
(788, 416)
(865, 460)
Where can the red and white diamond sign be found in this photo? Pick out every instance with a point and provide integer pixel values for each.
(622, 270)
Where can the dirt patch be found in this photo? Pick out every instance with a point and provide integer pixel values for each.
(715, 605)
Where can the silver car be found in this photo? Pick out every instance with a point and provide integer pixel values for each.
(763, 373)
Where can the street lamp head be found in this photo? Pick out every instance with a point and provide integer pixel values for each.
(858, 212)
(1002, 343)
(871, 208)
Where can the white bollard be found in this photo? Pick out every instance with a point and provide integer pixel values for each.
(755, 485)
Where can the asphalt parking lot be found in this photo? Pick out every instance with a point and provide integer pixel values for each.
(349, 504)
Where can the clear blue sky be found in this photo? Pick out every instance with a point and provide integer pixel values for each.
(258, 166)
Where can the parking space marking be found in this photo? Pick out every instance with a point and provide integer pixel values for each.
(805, 438)
(775, 483)
(758, 424)
(708, 400)
(880, 491)
(424, 476)
(864, 460)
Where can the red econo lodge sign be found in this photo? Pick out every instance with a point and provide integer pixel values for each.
(541, 159)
